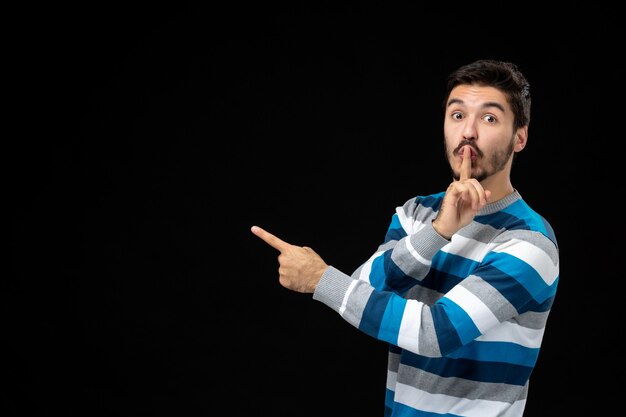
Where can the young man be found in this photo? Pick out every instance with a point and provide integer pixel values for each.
(463, 283)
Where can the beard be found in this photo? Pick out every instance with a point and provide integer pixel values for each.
(487, 165)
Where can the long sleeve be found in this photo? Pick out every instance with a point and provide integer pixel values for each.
(407, 251)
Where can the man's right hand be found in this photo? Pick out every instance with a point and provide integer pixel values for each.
(462, 201)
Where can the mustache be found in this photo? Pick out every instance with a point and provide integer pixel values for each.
(467, 142)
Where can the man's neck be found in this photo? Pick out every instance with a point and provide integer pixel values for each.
(499, 185)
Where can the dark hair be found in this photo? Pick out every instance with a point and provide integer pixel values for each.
(505, 76)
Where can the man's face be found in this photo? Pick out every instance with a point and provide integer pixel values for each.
(479, 117)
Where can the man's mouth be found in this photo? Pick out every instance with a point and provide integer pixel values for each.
(473, 152)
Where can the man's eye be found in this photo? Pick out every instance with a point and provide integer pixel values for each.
(457, 116)
(489, 118)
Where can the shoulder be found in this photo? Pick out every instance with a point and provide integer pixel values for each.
(522, 227)
(429, 201)
(523, 217)
(416, 211)
(514, 215)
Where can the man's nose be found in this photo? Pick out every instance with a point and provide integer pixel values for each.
(469, 129)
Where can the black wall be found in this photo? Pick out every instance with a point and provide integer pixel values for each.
(150, 139)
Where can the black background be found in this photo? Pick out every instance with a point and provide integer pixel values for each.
(150, 138)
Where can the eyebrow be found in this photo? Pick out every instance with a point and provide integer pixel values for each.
(486, 105)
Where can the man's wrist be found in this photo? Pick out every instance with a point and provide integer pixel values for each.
(441, 233)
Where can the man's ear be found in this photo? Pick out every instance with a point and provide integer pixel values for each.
(521, 137)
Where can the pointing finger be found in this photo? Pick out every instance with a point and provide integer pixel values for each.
(270, 239)
(466, 164)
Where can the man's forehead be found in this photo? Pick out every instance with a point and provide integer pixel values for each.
(476, 95)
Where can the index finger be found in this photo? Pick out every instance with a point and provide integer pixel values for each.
(466, 164)
(270, 239)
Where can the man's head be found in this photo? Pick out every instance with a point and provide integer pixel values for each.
(504, 76)
(487, 108)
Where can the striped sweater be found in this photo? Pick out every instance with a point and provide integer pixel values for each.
(464, 319)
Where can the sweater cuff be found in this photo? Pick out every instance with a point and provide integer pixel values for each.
(427, 242)
(332, 288)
